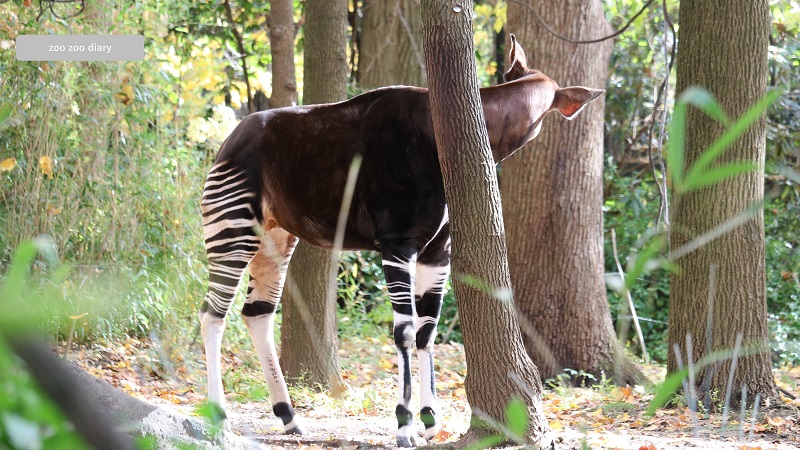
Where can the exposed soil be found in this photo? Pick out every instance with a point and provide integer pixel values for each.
(604, 417)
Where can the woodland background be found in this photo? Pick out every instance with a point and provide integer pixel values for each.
(109, 160)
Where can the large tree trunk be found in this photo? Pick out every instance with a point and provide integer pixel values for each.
(281, 40)
(499, 368)
(553, 195)
(309, 345)
(723, 48)
(391, 44)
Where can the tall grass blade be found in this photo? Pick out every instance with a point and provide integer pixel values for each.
(729, 137)
(729, 389)
(698, 180)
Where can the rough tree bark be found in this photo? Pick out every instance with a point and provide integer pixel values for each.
(281, 40)
(499, 368)
(553, 196)
(391, 44)
(309, 343)
(723, 48)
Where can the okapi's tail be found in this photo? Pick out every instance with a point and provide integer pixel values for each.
(229, 229)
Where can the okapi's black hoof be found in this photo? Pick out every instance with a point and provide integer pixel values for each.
(296, 431)
(404, 442)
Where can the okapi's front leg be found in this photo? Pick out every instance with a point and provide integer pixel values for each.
(399, 267)
(267, 277)
(429, 291)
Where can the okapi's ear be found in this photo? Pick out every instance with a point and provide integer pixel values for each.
(571, 100)
(519, 63)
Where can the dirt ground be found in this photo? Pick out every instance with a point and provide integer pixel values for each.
(604, 417)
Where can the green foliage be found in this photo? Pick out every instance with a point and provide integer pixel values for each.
(700, 174)
(28, 418)
(781, 222)
(515, 429)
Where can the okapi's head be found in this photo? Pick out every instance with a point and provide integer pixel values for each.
(531, 93)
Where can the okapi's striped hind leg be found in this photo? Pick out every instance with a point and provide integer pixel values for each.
(231, 242)
(399, 264)
(267, 277)
(429, 292)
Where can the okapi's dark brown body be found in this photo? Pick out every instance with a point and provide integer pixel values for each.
(301, 157)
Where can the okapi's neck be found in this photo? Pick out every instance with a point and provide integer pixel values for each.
(514, 112)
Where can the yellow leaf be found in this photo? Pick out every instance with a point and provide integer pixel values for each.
(556, 425)
(79, 316)
(776, 421)
(46, 166)
(54, 211)
(386, 364)
(8, 164)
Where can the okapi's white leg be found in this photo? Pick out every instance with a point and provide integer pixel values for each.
(267, 277)
(428, 292)
(399, 267)
(212, 328)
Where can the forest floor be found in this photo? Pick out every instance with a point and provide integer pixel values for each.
(601, 417)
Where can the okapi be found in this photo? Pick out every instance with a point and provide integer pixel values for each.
(283, 171)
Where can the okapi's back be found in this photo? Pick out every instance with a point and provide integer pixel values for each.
(296, 159)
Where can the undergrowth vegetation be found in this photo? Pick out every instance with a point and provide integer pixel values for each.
(109, 160)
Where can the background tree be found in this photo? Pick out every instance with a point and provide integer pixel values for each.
(309, 348)
(280, 22)
(734, 70)
(553, 196)
(499, 368)
(390, 50)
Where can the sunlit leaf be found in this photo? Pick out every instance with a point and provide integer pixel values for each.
(46, 166)
(8, 164)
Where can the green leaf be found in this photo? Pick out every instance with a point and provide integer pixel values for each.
(704, 101)
(640, 263)
(676, 144)
(733, 133)
(517, 418)
(696, 181)
(5, 111)
(18, 271)
(487, 442)
(666, 391)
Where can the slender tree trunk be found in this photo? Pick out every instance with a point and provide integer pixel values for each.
(309, 344)
(391, 50)
(553, 196)
(723, 49)
(499, 368)
(281, 38)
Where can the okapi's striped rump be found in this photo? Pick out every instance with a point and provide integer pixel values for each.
(229, 229)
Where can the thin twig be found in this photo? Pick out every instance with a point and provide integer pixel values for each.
(729, 389)
(743, 410)
(755, 415)
(242, 55)
(630, 299)
(592, 41)
(692, 392)
(709, 373)
(341, 224)
(414, 46)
